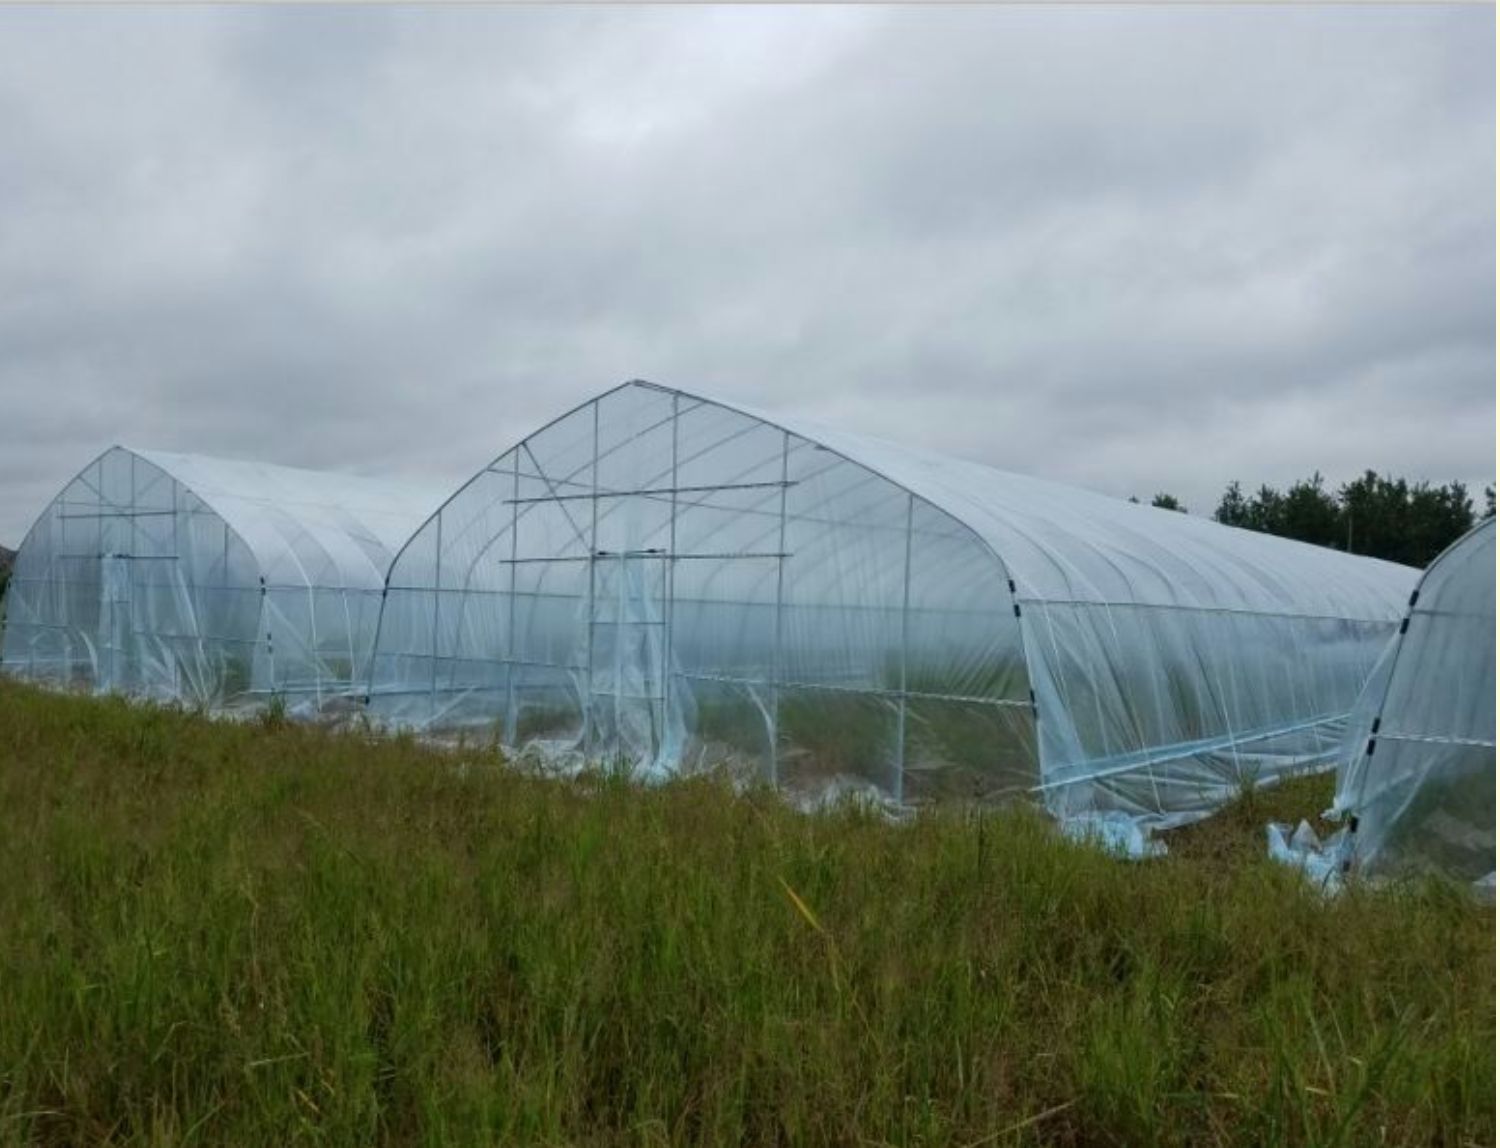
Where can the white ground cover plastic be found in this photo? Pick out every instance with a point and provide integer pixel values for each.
(678, 582)
(214, 582)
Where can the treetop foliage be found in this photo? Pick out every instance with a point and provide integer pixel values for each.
(1379, 517)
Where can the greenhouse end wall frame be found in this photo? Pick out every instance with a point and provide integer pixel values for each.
(680, 582)
(1417, 775)
(209, 581)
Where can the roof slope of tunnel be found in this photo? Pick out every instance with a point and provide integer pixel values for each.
(1064, 544)
(285, 514)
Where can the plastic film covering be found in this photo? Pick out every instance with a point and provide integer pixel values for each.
(1418, 772)
(679, 582)
(214, 582)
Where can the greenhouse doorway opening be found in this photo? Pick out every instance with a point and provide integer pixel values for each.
(116, 620)
(627, 657)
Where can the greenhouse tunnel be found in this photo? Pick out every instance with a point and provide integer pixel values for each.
(1417, 776)
(679, 583)
(214, 582)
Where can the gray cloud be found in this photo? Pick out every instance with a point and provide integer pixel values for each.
(1132, 248)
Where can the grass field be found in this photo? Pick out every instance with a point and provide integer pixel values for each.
(265, 934)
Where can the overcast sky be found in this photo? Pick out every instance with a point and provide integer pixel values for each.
(1132, 248)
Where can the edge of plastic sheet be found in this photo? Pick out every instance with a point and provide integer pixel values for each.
(1115, 832)
(1322, 862)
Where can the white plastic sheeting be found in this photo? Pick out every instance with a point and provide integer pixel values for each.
(679, 581)
(207, 580)
(1417, 779)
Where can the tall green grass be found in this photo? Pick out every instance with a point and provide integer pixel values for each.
(265, 933)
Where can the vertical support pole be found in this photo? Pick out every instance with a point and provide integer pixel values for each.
(313, 644)
(265, 618)
(669, 576)
(588, 685)
(510, 624)
(128, 641)
(224, 614)
(786, 444)
(900, 787)
(620, 612)
(99, 533)
(437, 598)
(346, 686)
(176, 577)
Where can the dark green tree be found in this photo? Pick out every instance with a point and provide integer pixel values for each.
(1377, 516)
(1373, 515)
(1308, 513)
(1233, 510)
(1167, 502)
(1436, 516)
(1264, 512)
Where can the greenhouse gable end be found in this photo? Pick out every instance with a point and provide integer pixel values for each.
(1417, 768)
(207, 580)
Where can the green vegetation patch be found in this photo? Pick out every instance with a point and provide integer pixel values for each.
(266, 933)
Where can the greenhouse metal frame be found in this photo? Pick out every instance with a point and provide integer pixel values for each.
(679, 582)
(215, 582)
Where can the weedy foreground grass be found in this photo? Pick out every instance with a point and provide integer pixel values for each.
(214, 933)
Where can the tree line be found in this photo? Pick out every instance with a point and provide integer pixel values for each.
(1374, 515)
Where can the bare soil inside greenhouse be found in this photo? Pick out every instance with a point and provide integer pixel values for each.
(261, 932)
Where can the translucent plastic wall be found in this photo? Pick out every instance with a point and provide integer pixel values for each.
(1419, 777)
(1173, 660)
(680, 582)
(213, 582)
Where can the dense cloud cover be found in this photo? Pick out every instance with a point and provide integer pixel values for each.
(1131, 248)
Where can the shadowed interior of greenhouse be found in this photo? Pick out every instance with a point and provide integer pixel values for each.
(669, 582)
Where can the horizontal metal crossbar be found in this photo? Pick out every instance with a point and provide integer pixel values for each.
(97, 555)
(20, 624)
(607, 554)
(475, 660)
(1476, 615)
(1432, 739)
(646, 492)
(121, 514)
(1095, 604)
(998, 614)
(1144, 760)
(873, 691)
(760, 682)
